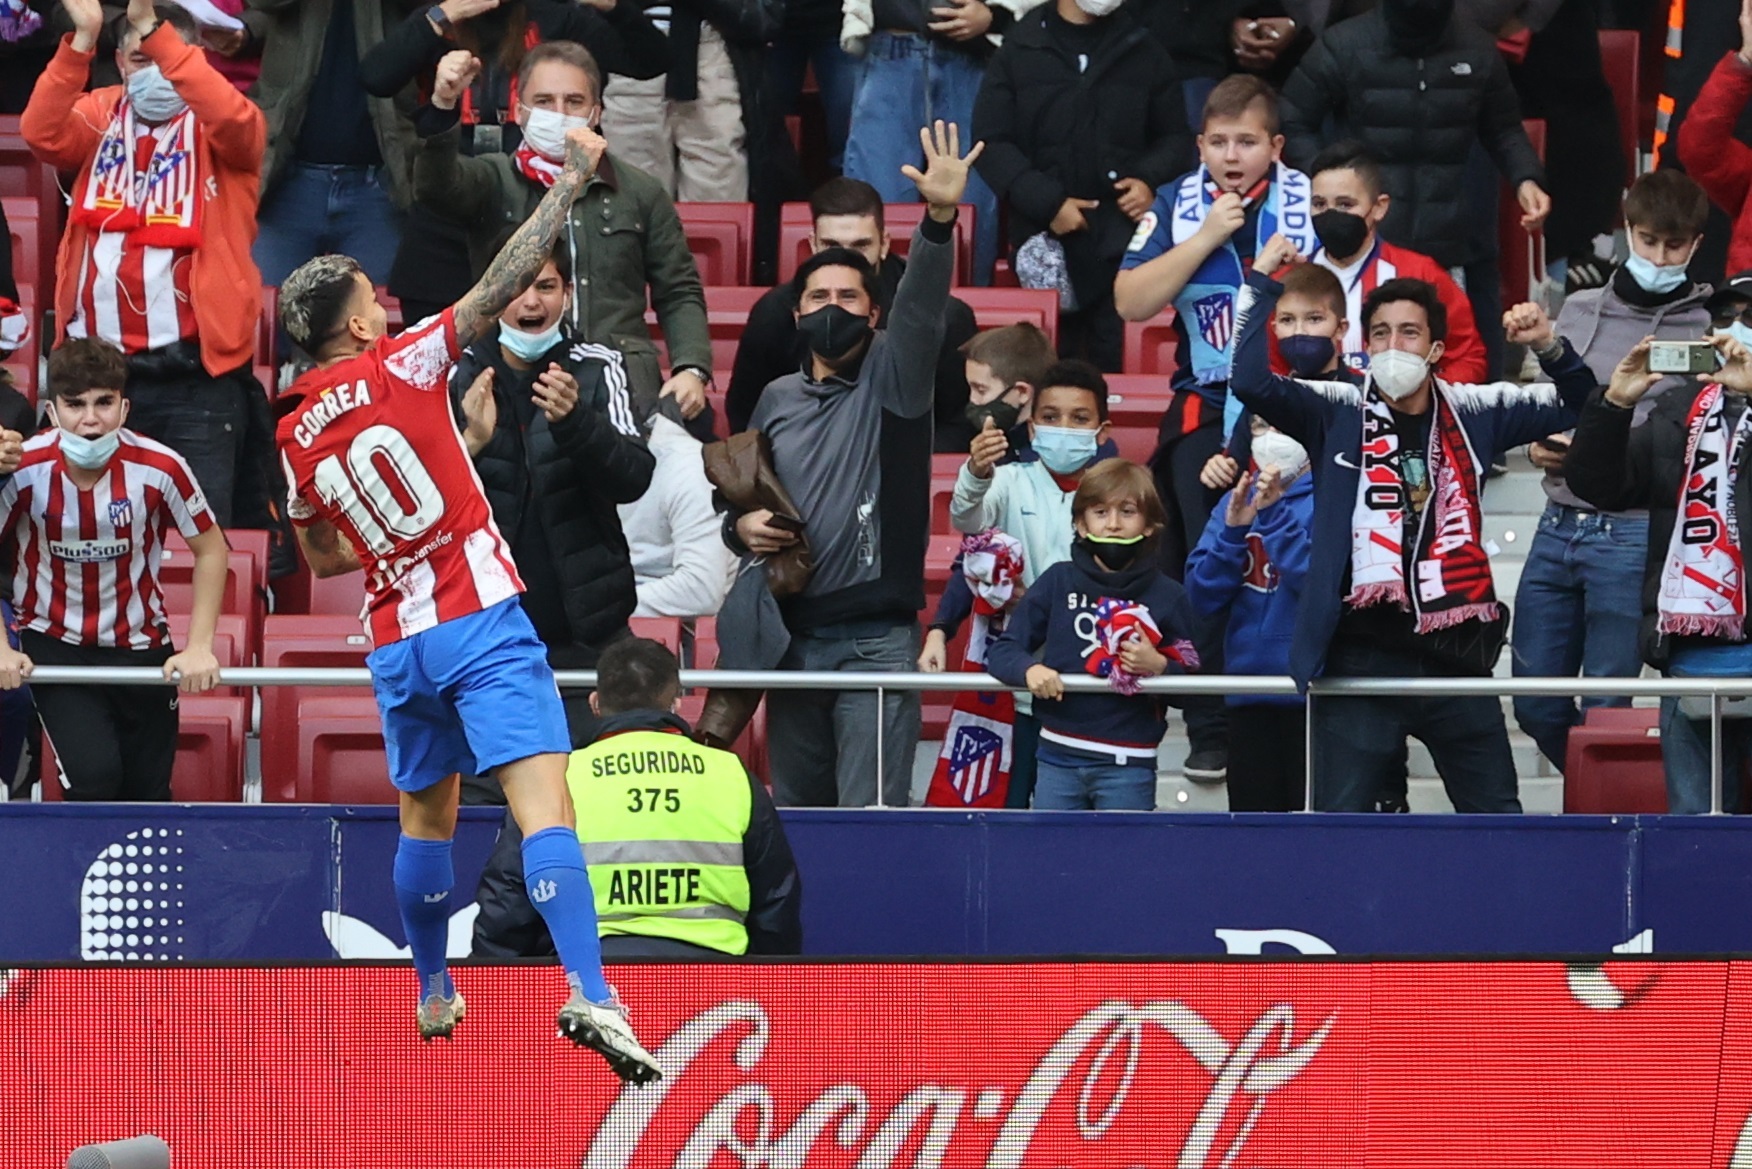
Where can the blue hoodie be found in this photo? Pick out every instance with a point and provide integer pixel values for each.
(1255, 573)
(1051, 626)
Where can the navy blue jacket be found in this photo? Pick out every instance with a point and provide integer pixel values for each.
(1255, 574)
(1053, 626)
(1327, 418)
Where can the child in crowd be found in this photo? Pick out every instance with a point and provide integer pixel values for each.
(1108, 612)
(1003, 368)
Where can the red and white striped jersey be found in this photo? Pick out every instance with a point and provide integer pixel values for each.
(85, 563)
(371, 446)
(131, 295)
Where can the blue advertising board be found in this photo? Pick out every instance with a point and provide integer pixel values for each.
(296, 882)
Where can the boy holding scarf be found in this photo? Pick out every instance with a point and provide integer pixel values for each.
(1685, 458)
(1399, 582)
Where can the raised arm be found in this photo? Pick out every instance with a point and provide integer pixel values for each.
(511, 271)
(61, 124)
(232, 123)
(1719, 161)
(1532, 412)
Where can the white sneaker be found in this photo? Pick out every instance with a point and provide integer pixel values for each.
(439, 1016)
(602, 1027)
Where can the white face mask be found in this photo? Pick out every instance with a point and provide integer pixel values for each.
(155, 99)
(1099, 8)
(1275, 449)
(546, 132)
(1398, 374)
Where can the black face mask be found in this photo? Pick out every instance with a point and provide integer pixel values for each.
(1004, 414)
(1114, 555)
(1415, 27)
(1341, 232)
(832, 332)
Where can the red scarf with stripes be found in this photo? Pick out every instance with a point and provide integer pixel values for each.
(158, 204)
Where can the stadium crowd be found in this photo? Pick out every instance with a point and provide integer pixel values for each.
(1241, 417)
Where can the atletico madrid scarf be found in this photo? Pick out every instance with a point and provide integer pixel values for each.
(973, 767)
(1703, 583)
(1451, 567)
(535, 167)
(992, 563)
(158, 205)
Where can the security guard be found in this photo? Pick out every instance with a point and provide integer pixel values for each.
(686, 852)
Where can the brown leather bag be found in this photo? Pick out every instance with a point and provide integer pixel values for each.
(741, 467)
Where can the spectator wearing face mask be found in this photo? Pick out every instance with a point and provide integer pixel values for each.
(1399, 582)
(624, 239)
(162, 268)
(1421, 87)
(1082, 120)
(846, 213)
(1579, 604)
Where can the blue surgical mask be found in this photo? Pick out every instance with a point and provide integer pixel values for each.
(155, 99)
(89, 454)
(1656, 278)
(1065, 450)
(1739, 332)
(528, 346)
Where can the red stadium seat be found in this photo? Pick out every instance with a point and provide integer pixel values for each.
(1150, 345)
(301, 641)
(1613, 765)
(340, 757)
(341, 596)
(993, 308)
(231, 643)
(1137, 400)
(727, 310)
(244, 592)
(209, 751)
(900, 219)
(664, 630)
(22, 176)
(1621, 60)
(721, 238)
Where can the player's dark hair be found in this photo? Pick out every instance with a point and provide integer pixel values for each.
(636, 673)
(843, 196)
(1418, 292)
(81, 364)
(1075, 375)
(833, 258)
(1351, 155)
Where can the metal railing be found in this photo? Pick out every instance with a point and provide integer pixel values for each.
(1715, 689)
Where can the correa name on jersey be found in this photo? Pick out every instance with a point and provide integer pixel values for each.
(330, 404)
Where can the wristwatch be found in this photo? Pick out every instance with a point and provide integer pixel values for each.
(705, 378)
(439, 19)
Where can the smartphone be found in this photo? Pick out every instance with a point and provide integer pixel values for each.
(786, 524)
(1558, 445)
(1682, 357)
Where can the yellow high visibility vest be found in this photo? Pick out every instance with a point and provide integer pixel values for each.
(661, 819)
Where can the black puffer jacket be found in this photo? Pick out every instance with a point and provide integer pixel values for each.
(1055, 129)
(576, 470)
(1420, 115)
(1617, 467)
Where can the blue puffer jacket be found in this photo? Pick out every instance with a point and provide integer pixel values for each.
(1255, 573)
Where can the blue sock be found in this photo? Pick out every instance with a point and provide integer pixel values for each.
(559, 888)
(423, 877)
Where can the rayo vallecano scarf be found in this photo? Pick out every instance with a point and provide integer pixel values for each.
(1449, 563)
(160, 205)
(1703, 584)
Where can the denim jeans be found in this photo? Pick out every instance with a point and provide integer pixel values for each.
(1685, 757)
(822, 743)
(907, 82)
(836, 73)
(315, 210)
(1101, 787)
(1359, 742)
(1579, 608)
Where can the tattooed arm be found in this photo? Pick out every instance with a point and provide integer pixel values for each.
(517, 263)
(328, 552)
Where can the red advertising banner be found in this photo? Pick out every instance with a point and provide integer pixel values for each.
(1481, 1065)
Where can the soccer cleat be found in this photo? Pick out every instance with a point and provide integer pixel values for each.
(439, 1016)
(602, 1027)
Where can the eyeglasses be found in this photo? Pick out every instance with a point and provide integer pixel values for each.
(1744, 316)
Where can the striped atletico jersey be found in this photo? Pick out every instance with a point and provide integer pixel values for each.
(370, 445)
(85, 562)
(132, 295)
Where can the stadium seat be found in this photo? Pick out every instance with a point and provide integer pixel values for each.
(993, 308)
(665, 630)
(340, 757)
(292, 641)
(727, 310)
(721, 238)
(22, 176)
(231, 643)
(1137, 400)
(244, 593)
(1621, 60)
(901, 219)
(341, 596)
(1150, 345)
(209, 751)
(1613, 764)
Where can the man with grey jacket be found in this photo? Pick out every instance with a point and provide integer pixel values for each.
(851, 442)
(1579, 606)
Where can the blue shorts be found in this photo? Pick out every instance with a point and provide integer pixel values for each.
(467, 696)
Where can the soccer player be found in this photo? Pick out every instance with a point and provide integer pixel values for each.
(381, 479)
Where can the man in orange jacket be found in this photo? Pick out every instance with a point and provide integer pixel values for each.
(156, 257)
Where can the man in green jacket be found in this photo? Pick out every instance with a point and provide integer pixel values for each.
(624, 237)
